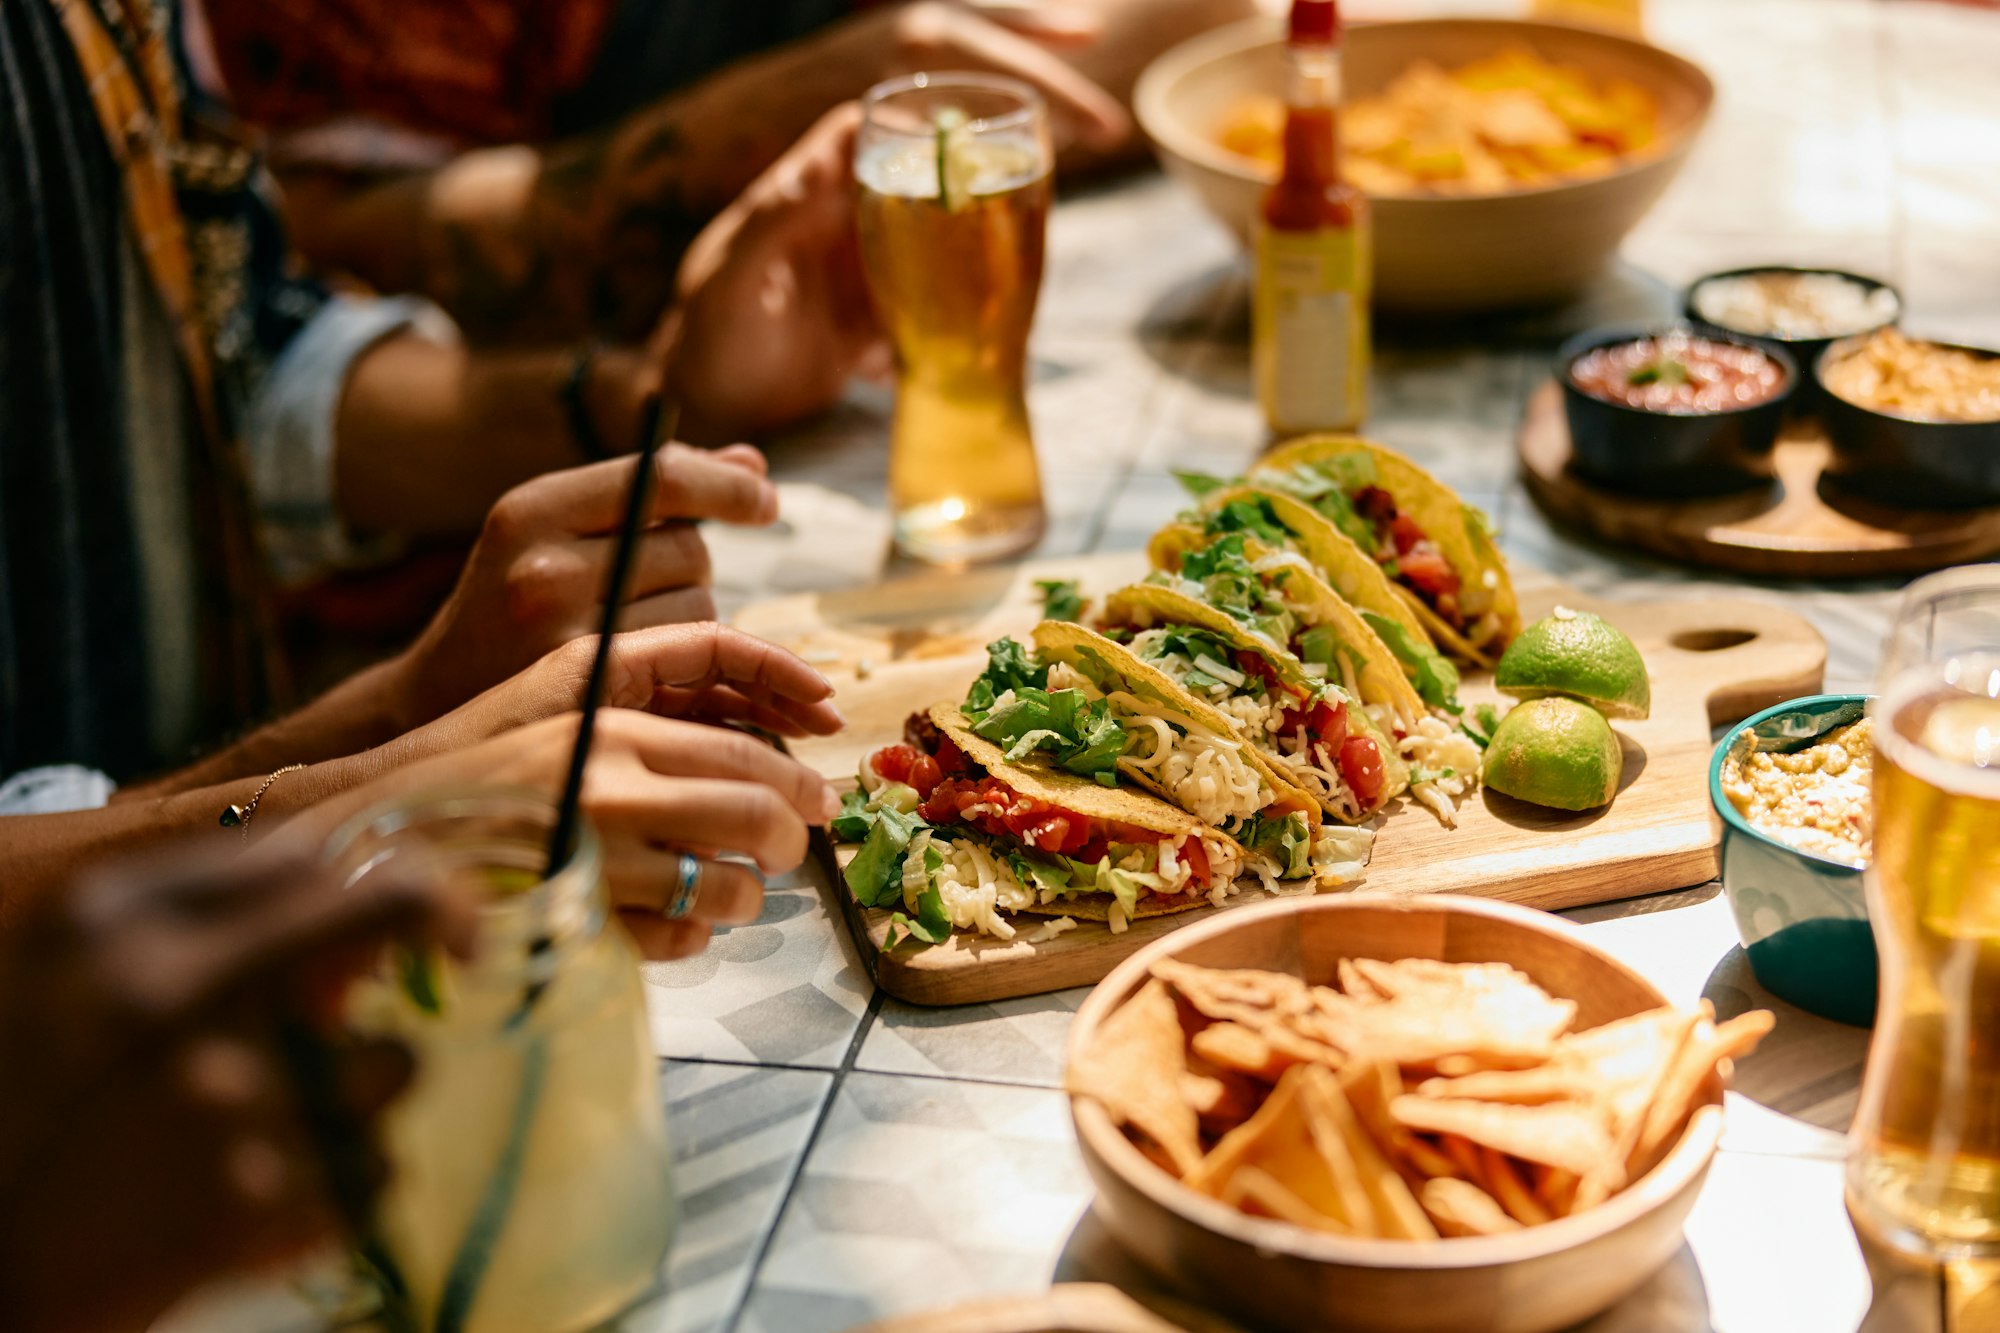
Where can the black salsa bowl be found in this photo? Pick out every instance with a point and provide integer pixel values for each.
(1906, 460)
(1805, 352)
(1670, 455)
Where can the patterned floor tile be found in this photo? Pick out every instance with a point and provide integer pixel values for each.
(1135, 256)
(737, 1134)
(788, 990)
(919, 1191)
(1007, 1041)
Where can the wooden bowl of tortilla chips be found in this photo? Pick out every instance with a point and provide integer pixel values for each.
(1307, 1112)
(1436, 253)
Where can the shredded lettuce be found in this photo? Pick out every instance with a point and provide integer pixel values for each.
(1436, 679)
(932, 924)
(1079, 733)
(1480, 725)
(1287, 840)
(1010, 665)
(1200, 484)
(1326, 484)
(1250, 514)
(1194, 644)
(1061, 599)
(875, 875)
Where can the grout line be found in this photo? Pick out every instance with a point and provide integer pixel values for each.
(763, 1251)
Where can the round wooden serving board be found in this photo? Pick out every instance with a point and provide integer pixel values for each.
(900, 646)
(1793, 528)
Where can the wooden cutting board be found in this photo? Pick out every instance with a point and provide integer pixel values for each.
(903, 645)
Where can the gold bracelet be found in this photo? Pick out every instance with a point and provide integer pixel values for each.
(238, 816)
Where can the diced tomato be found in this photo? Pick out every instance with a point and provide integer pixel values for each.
(1196, 857)
(925, 775)
(949, 757)
(1404, 532)
(1374, 504)
(892, 762)
(1361, 765)
(1256, 664)
(1429, 573)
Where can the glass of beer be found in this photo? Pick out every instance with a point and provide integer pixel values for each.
(954, 174)
(1923, 1175)
(529, 1187)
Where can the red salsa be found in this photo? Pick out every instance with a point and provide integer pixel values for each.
(1358, 758)
(1679, 373)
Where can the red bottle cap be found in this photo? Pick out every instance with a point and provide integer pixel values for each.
(1315, 23)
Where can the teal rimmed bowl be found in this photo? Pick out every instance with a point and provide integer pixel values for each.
(1802, 918)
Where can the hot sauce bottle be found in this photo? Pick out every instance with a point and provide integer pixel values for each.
(1313, 256)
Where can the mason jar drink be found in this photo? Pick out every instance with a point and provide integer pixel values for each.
(529, 1188)
(1924, 1171)
(954, 172)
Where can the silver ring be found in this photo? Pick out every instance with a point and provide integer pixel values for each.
(690, 886)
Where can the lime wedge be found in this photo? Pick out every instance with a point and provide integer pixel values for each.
(955, 166)
(1555, 752)
(1580, 655)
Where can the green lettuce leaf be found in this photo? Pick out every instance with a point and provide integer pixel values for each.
(1253, 515)
(1080, 735)
(1061, 599)
(932, 925)
(1010, 665)
(1199, 484)
(1286, 839)
(1480, 724)
(1435, 678)
(875, 875)
(1326, 484)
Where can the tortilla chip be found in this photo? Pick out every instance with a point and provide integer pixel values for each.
(1704, 1052)
(1355, 983)
(1569, 1135)
(1511, 1191)
(1278, 1141)
(1132, 1067)
(1243, 1050)
(1425, 1026)
(1222, 1098)
(1339, 1133)
(1259, 1193)
(1461, 1208)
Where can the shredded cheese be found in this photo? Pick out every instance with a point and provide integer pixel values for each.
(1449, 759)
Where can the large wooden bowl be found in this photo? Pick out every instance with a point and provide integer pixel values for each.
(1435, 253)
(1537, 1279)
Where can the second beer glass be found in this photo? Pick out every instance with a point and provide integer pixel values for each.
(954, 173)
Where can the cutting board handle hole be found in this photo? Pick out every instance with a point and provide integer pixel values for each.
(1711, 640)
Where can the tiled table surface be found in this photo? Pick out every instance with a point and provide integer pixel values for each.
(844, 1156)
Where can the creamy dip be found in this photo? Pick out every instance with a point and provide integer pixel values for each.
(1815, 799)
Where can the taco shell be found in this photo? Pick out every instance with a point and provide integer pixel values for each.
(1038, 778)
(1151, 605)
(1101, 659)
(1460, 531)
(1381, 679)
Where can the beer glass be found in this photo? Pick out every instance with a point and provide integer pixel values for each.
(1923, 1173)
(954, 183)
(529, 1187)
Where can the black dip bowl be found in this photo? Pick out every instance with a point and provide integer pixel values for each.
(1670, 455)
(1803, 351)
(1905, 461)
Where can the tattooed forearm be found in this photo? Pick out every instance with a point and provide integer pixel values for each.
(585, 236)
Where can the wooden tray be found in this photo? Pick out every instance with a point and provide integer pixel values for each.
(1801, 526)
(903, 645)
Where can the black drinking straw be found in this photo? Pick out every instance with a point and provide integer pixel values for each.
(654, 422)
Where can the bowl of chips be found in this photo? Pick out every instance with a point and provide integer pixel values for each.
(1394, 1114)
(1505, 159)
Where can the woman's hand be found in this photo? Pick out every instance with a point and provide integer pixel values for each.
(536, 577)
(656, 788)
(150, 1129)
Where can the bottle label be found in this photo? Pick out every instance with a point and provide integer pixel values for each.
(1309, 328)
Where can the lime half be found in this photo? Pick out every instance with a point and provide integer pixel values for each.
(1579, 655)
(1555, 752)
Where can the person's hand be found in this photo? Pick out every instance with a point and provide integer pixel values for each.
(773, 311)
(695, 673)
(150, 1137)
(1025, 41)
(655, 788)
(536, 576)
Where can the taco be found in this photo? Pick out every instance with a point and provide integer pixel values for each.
(1277, 594)
(1432, 547)
(1313, 732)
(956, 834)
(1184, 750)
